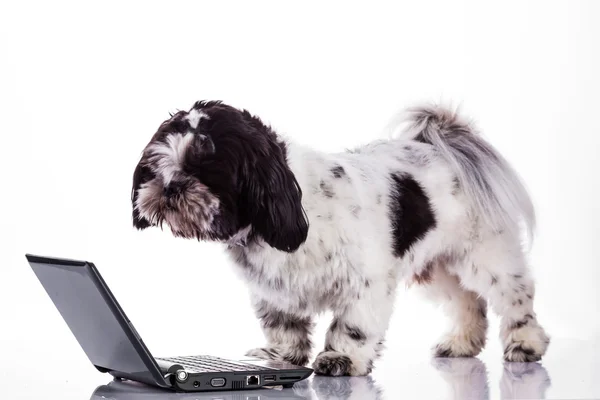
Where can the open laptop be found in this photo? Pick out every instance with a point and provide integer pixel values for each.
(113, 345)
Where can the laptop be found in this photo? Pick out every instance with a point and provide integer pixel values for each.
(112, 344)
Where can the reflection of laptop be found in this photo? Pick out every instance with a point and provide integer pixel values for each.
(131, 391)
(113, 345)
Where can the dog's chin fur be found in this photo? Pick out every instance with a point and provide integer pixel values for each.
(437, 207)
(189, 214)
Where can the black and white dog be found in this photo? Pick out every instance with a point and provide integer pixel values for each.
(309, 231)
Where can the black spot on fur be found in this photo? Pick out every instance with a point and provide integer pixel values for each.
(296, 358)
(367, 283)
(369, 366)
(379, 348)
(410, 212)
(519, 324)
(355, 210)
(334, 325)
(455, 186)
(482, 309)
(517, 353)
(424, 276)
(141, 175)
(355, 334)
(241, 258)
(328, 257)
(326, 189)
(520, 302)
(254, 272)
(338, 171)
(443, 352)
(273, 353)
(494, 280)
(529, 296)
(272, 319)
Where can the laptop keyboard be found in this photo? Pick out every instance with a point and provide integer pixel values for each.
(212, 364)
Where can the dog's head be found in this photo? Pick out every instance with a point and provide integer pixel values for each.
(215, 171)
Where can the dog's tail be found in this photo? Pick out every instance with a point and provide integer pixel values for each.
(496, 191)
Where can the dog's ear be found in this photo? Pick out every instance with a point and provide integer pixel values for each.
(275, 199)
(141, 175)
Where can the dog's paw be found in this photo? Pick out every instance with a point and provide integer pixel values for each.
(271, 353)
(332, 363)
(526, 344)
(521, 352)
(265, 353)
(458, 346)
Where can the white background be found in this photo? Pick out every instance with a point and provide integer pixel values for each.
(84, 86)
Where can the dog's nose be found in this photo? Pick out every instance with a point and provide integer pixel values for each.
(171, 189)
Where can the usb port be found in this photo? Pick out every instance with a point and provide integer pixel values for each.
(268, 378)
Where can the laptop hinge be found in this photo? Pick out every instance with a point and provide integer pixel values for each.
(166, 382)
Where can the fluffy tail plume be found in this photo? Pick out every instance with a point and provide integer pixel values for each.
(492, 185)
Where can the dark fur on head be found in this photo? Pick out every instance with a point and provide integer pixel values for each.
(215, 170)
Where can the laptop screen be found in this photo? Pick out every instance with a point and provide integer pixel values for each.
(99, 325)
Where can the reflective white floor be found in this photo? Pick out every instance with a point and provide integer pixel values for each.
(571, 370)
(465, 378)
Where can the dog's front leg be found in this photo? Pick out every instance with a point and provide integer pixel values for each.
(287, 334)
(355, 337)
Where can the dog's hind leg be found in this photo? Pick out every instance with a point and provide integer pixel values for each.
(496, 269)
(466, 310)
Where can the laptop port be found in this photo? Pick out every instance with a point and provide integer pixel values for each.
(196, 384)
(269, 378)
(252, 380)
(290, 378)
(217, 382)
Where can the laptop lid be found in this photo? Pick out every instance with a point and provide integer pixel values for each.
(99, 324)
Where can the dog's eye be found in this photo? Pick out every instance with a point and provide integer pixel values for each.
(203, 144)
(180, 126)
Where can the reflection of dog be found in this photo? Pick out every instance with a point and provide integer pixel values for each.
(438, 205)
(524, 381)
(346, 388)
(468, 379)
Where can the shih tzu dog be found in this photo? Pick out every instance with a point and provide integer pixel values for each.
(437, 207)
